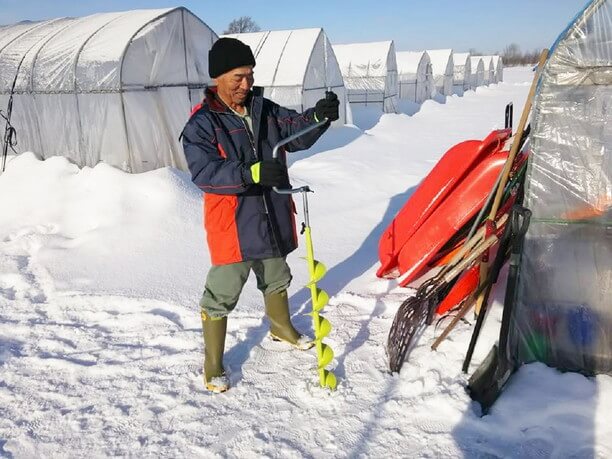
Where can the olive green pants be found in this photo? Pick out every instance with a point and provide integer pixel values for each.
(225, 282)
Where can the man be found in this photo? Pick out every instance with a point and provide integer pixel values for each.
(228, 144)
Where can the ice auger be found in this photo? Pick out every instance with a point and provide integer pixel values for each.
(317, 270)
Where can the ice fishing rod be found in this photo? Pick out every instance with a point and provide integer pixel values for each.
(322, 327)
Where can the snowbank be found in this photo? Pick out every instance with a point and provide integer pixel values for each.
(100, 343)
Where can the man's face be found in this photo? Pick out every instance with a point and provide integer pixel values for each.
(234, 86)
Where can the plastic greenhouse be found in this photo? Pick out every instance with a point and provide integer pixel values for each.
(489, 70)
(415, 76)
(563, 310)
(111, 87)
(478, 71)
(443, 69)
(462, 73)
(498, 64)
(295, 67)
(370, 74)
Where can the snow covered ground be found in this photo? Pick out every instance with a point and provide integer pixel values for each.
(100, 339)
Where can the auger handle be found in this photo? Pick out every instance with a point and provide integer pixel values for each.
(285, 142)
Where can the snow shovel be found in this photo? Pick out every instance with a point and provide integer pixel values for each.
(487, 382)
(322, 327)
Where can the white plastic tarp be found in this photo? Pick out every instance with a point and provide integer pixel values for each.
(370, 73)
(296, 67)
(111, 87)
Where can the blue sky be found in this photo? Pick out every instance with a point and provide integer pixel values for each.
(487, 26)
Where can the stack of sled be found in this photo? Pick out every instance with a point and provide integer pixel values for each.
(558, 298)
(460, 219)
(452, 236)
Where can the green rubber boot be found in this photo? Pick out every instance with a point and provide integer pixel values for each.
(281, 328)
(214, 330)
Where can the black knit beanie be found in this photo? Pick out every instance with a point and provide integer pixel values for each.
(227, 54)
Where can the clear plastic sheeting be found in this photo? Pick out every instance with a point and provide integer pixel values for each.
(370, 74)
(296, 67)
(443, 66)
(563, 311)
(462, 72)
(111, 87)
(415, 75)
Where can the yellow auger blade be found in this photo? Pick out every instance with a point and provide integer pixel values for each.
(326, 355)
(321, 325)
(329, 380)
(318, 272)
(323, 329)
(320, 299)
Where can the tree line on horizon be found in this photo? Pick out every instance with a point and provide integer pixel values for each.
(511, 55)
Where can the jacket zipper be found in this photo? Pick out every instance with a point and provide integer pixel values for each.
(263, 195)
(246, 128)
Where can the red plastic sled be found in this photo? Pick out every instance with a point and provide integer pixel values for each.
(464, 287)
(452, 170)
(468, 281)
(448, 217)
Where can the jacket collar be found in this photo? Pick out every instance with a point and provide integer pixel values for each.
(254, 101)
(215, 103)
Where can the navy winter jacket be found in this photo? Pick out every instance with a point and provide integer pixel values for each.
(243, 221)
